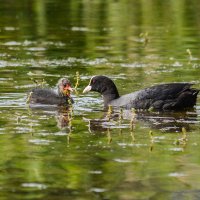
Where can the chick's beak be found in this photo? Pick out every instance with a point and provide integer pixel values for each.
(87, 89)
(67, 89)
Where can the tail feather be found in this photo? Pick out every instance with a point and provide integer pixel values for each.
(186, 99)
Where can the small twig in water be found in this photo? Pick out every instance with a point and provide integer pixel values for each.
(109, 112)
(77, 81)
(69, 125)
(190, 54)
(151, 136)
(183, 140)
(43, 83)
(29, 98)
(145, 38)
(132, 125)
(109, 136)
(152, 140)
(120, 115)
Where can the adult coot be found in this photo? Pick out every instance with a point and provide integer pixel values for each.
(170, 96)
(49, 96)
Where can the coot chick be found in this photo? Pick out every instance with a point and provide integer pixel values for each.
(49, 96)
(170, 96)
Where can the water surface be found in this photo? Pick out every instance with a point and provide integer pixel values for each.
(49, 152)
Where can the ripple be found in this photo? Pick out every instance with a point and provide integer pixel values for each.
(10, 28)
(36, 49)
(9, 64)
(39, 186)
(12, 100)
(3, 63)
(84, 29)
(96, 172)
(12, 43)
(71, 61)
(2, 131)
(98, 190)
(41, 141)
(177, 64)
(122, 160)
(134, 65)
(176, 174)
(176, 149)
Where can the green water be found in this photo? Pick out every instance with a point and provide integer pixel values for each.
(137, 44)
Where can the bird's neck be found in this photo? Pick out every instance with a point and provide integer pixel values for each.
(109, 96)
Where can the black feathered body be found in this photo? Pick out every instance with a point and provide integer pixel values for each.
(48, 96)
(171, 96)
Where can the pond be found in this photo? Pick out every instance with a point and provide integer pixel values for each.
(53, 153)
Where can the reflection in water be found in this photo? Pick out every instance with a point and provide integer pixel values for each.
(64, 117)
(170, 122)
(164, 121)
(63, 114)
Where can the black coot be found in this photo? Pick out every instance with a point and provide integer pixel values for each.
(171, 96)
(49, 96)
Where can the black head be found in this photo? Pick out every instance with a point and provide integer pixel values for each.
(64, 87)
(104, 86)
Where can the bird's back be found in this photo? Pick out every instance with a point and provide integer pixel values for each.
(46, 96)
(162, 97)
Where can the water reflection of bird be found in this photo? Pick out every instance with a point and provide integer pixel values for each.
(163, 121)
(49, 96)
(64, 118)
(171, 96)
(63, 115)
(168, 121)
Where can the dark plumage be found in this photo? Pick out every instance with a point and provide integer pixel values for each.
(171, 96)
(49, 96)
